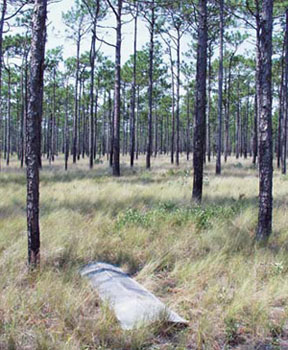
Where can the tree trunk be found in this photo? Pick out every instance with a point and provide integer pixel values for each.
(245, 127)
(281, 110)
(96, 118)
(156, 133)
(92, 65)
(75, 120)
(255, 131)
(238, 127)
(117, 99)
(173, 107)
(133, 94)
(208, 140)
(111, 120)
(178, 99)
(150, 90)
(137, 123)
(258, 66)
(265, 124)
(33, 122)
(284, 151)
(66, 133)
(227, 119)
(220, 91)
(200, 105)
(188, 126)
(3, 13)
(9, 118)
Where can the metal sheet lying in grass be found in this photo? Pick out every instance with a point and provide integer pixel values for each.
(132, 304)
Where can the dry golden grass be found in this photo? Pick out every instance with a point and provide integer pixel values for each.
(200, 260)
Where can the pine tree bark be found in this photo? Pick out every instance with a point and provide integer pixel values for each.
(220, 91)
(200, 105)
(188, 126)
(75, 119)
(150, 89)
(22, 120)
(245, 127)
(255, 131)
(137, 123)
(66, 127)
(111, 120)
(3, 13)
(133, 93)
(92, 65)
(285, 92)
(265, 124)
(33, 123)
(281, 112)
(8, 139)
(178, 98)
(227, 118)
(117, 99)
(238, 122)
(173, 105)
(96, 118)
(258, 66)
(208, 133)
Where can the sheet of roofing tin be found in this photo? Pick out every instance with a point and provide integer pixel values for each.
(132, 304)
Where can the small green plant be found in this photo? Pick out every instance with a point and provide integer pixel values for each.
(276, 330)
(132, 217)
(277, 268)
(238, 165)
(146, 178)
(231, 330)
(98, 161)
(167, 206)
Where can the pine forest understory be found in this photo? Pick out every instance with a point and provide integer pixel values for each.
(150, 135)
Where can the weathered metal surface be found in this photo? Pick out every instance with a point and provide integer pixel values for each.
(132, 304)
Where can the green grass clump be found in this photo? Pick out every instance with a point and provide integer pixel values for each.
(202, 217)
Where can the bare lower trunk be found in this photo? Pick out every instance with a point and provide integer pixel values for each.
(265, 125)
(9, 119)
(33, 123)
(173, 107)
(208, 139)
(133, 95)
(75, 120)
(111, 121)
(150, 92)
(284, 142)
(66, 132)
(200, 106)
(117, 99)
(255, 131)
(178, 100)
(3, 13)
(91, 115)
(220, 91)
(281, 111)
(238, 133)
(188, 126)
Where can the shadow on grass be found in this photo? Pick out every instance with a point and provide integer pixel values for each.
(114, 206)
(67, 259)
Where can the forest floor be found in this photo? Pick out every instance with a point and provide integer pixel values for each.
(199, 260)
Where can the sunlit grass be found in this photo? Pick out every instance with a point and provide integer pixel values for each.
(200, 260)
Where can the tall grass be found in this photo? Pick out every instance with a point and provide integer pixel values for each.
(200, 260)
